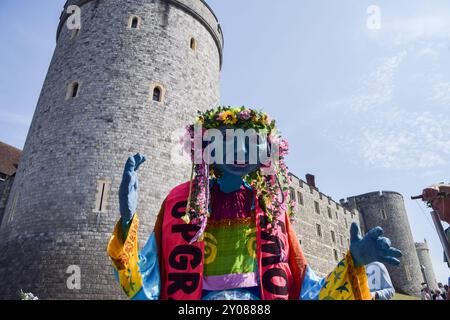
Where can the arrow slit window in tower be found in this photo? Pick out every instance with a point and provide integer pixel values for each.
(101, 198)
(193, 44)
(73, 90)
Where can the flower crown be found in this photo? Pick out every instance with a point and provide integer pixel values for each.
(242, 117)
(272, 191)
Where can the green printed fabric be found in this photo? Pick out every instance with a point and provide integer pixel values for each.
(230, 249)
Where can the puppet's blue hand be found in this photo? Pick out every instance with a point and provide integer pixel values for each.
(129, 188)
(373, 247)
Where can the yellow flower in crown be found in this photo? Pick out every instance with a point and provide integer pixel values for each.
(266, 119)
(228, 117)
(201, 120)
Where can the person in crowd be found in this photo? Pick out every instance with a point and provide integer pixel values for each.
(437, 295)
(443, 291)
(438, 197)
(439, 203)
(425, 293)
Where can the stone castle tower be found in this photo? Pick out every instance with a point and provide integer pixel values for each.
(423, 253)
(387, 210)
(136, 71)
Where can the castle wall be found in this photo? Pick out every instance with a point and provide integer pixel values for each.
(76, 148)
(51, 221)
(387, 210)
(320, 250)
(423, 253)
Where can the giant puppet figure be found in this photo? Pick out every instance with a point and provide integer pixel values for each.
(226, 234)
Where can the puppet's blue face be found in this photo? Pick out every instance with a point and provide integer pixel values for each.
(241, 156)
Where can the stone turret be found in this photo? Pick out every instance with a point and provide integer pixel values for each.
(136, 71)
(387, 210)
(423, 253)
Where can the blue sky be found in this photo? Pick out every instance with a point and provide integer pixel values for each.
(364, 110)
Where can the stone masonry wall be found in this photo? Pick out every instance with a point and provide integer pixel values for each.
(75, 143)
(320, 250)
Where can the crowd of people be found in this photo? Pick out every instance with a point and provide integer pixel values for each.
(436, 294)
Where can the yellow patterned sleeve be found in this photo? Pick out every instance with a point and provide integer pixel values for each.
(125, 257)
(346, 282)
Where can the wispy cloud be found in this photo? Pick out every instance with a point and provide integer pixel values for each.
(386, 128)
(378, 88)
(381, 132)
(16, 119)
(405, 140)
(441, 93)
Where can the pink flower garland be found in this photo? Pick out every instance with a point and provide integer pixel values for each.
(272, 190)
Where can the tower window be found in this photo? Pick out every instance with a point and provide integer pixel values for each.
(300, 198)
(101, 198)
(193, 44)
(73, 90)
(336, 256)
(383, 214)
(292, 194)
(157, 93)
(319, 230)
(333, 237)
(330, 215)
(134, 22)
(316, 207)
